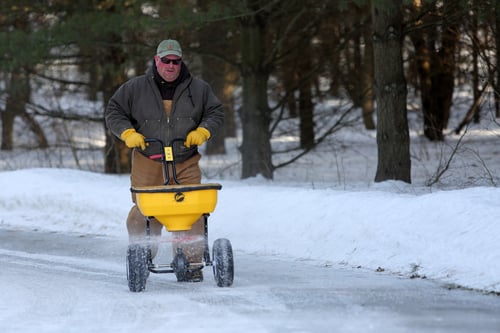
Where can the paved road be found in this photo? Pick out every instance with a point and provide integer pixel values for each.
(52, 282)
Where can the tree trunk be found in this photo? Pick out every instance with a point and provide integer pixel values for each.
(475, 62)
(306, 108)
(442, 74)
(8, 117)
(36, 129)
(352, 77)
(423, 41)
(367, 82)
(18, 95)
(497, 41)
(227, 98)
(255, 118)
(393, 141)
(117, 155)
(306, 105)
(215, 145)
(435, 67)
(211, 73)
(289, 80)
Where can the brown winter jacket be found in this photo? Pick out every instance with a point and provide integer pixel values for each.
(138, 104)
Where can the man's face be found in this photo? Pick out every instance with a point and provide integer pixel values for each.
(169, 67)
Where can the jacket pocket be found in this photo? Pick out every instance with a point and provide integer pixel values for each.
(184, 125)
(150, 128)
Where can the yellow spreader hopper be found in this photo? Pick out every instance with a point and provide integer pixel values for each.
(177, 207)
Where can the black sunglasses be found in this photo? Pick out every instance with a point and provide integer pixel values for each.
(167, 61)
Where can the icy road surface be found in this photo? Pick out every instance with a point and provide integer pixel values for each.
(53, 282)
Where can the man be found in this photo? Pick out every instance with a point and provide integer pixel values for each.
(166, 103)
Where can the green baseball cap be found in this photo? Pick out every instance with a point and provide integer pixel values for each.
(169, 47)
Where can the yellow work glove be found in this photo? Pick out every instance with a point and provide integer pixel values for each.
(133, 139)
(197, 137)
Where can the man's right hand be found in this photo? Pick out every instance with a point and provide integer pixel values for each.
(133, 139)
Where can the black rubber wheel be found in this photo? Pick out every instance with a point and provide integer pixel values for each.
(180, 266)
(223, 264)
(137, 267)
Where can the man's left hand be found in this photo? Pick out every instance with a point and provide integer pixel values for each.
(197, 137)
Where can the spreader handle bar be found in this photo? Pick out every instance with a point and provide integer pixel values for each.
(167, 157)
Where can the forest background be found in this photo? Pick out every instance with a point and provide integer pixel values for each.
(271, 62)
